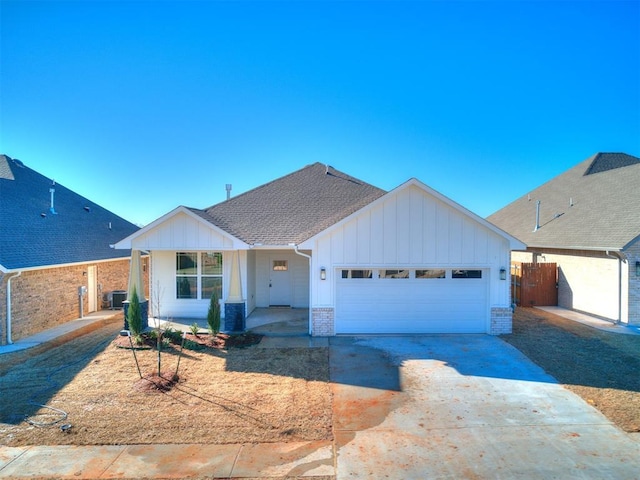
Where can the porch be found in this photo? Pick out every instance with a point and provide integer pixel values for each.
(272, 321)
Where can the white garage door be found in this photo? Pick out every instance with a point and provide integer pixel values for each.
(411, 301)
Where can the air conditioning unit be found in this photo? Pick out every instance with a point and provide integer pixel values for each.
(117, 297)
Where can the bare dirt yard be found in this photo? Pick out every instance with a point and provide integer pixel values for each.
(601, 367)
(91, 388)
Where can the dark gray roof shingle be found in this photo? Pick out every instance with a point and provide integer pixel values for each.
(32, 236)
(292, 208)
(593, 205)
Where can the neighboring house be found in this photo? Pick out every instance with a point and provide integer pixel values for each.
(589, 225)
(52, 242)
(362, 260)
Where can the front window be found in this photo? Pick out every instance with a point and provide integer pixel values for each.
(211, 274)
(198, 275)
(187, 275)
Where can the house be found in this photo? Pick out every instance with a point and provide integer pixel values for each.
(588, 223)
(53, 242)
(362, 260)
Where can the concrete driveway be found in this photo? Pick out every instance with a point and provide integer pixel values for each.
(464, 406)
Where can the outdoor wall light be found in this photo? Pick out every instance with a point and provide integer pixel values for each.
(637, 268)
(323, 273)
(503, 274)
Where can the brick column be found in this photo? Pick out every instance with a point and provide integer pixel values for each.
(501, 320)
(322, 320)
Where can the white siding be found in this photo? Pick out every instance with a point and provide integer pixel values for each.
(424, 232)
(185, 233)
(412, 229)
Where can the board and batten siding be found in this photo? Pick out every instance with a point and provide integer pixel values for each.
(410, 229)
(183, 232)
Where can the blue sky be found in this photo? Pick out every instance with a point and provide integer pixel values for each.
(144, 106)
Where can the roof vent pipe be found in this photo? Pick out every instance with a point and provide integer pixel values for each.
(571, 201)
(537, 216)
(228, 187)
(52, 191)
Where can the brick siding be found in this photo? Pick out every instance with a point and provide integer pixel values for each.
(501, 320)
(633, 256)
(45, 298)
(322, 322)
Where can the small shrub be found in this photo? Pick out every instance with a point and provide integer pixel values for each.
(194, 329)
(173, 335)
(213, 315)
(134, 315)
(191, 345)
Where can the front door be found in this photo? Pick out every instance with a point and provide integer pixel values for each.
(92, 288)
(279, 284)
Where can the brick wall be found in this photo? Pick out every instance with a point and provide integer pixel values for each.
(501, 320)
(587, 280)
(633, 256)
(322, 320)
(42, 299)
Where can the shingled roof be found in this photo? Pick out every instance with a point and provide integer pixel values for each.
(32, 236)
(292, 208)
(593, 206)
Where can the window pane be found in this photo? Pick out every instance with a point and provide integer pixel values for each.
(430, 273)
(467, 274)
(210, 285)
(186, 263)
(394, 273)
(280, 265)
(187, 287)
(357, 273)
(211, 263)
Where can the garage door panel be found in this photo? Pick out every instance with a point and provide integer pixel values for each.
(411, 305)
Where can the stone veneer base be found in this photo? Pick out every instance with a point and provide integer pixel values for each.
(234, 317)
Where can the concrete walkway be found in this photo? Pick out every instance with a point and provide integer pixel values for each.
(65, 332)
(592, 321)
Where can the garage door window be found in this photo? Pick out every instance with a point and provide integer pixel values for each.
(394, 273)
(467, 274)
(357, 273)
(438, 273)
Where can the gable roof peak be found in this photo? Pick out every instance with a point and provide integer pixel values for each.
(603, 162)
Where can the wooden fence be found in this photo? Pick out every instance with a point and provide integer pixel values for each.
(534, 284)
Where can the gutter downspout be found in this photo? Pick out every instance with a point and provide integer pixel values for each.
(298, 252)
(620, 259)
(9, 339)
